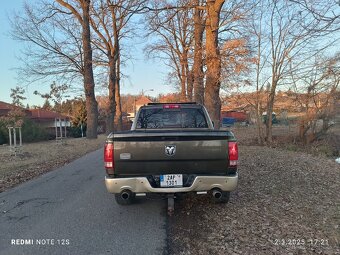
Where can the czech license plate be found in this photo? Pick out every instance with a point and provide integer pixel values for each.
(171, 180)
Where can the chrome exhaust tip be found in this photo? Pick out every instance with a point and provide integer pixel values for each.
(217, 194)
(126, 194)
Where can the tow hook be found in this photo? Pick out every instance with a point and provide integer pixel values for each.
(171, 204)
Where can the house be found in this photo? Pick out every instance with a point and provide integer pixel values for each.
(143, 100)
(49, 119)
(239, 116)
(43, 117)
(5, 108)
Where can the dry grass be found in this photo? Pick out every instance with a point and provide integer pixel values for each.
(282, 197)
(38, 158)
(286, 137)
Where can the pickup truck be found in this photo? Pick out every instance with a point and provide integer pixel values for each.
(171, 149)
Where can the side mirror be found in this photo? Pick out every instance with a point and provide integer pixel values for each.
(213, 123)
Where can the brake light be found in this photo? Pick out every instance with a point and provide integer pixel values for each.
(233, 153)
(108, 158)
(171, 106)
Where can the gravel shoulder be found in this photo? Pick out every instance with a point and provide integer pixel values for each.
(286, 203)
(41, 157)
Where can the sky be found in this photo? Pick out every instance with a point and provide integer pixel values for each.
(144, 75)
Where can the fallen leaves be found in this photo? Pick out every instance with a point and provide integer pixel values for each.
(281, 195)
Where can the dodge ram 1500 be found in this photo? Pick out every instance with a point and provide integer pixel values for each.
(171, 149)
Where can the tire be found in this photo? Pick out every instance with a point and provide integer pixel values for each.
(223, 199)
(122, 201)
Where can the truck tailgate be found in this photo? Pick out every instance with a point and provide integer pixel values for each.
(139, 153)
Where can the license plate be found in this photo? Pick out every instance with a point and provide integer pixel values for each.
(171, 180)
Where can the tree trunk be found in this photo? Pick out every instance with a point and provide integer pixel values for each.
(119, 119)
(190, 83)
(303, 129)
(325, 125)
(270, 106)
(188, 77)
(213, 83)
(198, 56)
(91, 103)
(269, 124)
(112, 101)
(259, 124)
(183, 82)
(259, 121)
(116, 56)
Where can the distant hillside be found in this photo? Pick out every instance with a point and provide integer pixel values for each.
(284, 101)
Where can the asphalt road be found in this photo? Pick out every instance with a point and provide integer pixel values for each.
(70, 208)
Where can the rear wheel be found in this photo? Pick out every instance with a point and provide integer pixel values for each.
(125, 198)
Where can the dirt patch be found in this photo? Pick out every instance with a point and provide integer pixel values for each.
(286, 203)
(38, 158)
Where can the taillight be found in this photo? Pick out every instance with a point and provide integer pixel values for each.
(108, 158)
(171, 106)
(233, 153)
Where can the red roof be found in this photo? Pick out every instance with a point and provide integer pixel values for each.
(7, 106)
(4, 106)
(45, 114)
(143, 101)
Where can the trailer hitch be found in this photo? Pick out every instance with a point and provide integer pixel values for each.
(171, 204)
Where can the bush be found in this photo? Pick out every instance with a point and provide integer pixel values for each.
(76, 131)
(32, 132)
(3, 133)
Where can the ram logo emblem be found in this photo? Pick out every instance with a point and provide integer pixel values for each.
(170, 150)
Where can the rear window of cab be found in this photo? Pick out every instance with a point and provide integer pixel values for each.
(158, 118)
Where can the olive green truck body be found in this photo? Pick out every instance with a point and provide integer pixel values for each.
(171, 148)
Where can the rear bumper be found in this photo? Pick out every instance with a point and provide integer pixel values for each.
(142, 185)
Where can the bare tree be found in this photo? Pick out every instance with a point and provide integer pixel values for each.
(255, 28)
(17, 95)
(173, 29)
(106, 41)
(316, 89)
(110, 22)
(326, 12)
(287, 36)
(118, 114)
(199, 27)
(57, 49)
(213, 61)
(199, 21)
(57, 93)
(80, 9)
(53, 44)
